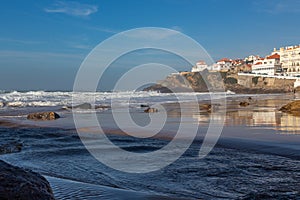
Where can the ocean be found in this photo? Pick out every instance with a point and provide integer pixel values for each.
(256, 155)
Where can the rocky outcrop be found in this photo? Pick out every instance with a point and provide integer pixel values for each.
(10, 147)
(151, 110)
(266, 84)
(221, 81)
(43, 116)
(86, 106)
(244, 103)
(102, 107)
(20, 184)
(293, 108)
(144, 106)
(206, 107)
(190, 82)
(83, 106)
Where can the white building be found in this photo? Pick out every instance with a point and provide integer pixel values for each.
(289, 58)
(267, 66)
(222, 65)
(252, 58)
(200, 66)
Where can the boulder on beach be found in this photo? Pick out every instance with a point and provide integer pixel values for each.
(244, 103)
(80, 106)
(205, 107)
(208, 107)
(10, 146)
(102, 107)
(17, 183)
(43, 116)
(292, 107)
(83, 106)
(151, 110)
(144, 106)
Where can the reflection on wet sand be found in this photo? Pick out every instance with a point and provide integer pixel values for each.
(263, 113)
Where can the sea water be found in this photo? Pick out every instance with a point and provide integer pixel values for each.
(246, 163)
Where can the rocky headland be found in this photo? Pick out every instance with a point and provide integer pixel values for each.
(221, 81)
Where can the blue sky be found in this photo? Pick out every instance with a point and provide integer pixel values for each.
(42, 43)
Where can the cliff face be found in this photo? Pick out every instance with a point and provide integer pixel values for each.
(214, 81)
(190, 81)
(266, 83)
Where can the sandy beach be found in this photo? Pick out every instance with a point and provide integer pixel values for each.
(257, 155)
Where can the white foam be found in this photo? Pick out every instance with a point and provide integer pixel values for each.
(58, 98)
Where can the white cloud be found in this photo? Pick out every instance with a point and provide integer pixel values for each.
(72, 8)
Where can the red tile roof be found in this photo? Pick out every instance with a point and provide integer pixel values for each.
(224, 60)
(274, 56)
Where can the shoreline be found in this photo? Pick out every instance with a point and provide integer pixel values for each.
(251, 131)
(254, 132)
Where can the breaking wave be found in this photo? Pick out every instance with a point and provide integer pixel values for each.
(59, 98)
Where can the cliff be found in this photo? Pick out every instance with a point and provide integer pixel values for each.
(266, 84)
(188, 82)
(223, 81)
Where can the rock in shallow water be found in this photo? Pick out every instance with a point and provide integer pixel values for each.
(42, 116)
(244, 103)
(293, 107)
(17, 183)
(82, 106)
(151, 110)
(10, 147)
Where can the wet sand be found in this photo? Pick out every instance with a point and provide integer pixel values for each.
(259, 128)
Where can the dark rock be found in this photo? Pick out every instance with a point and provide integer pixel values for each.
(205, 107)
(20, 184)
(42, 116)
(208, 107)
(244, 103)
(10, 147)
(144, 106)
(83, 106)
(151, 110)
(158, 88)
(293, 107)
(102, 107)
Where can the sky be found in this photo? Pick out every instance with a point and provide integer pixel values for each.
(43, 43)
